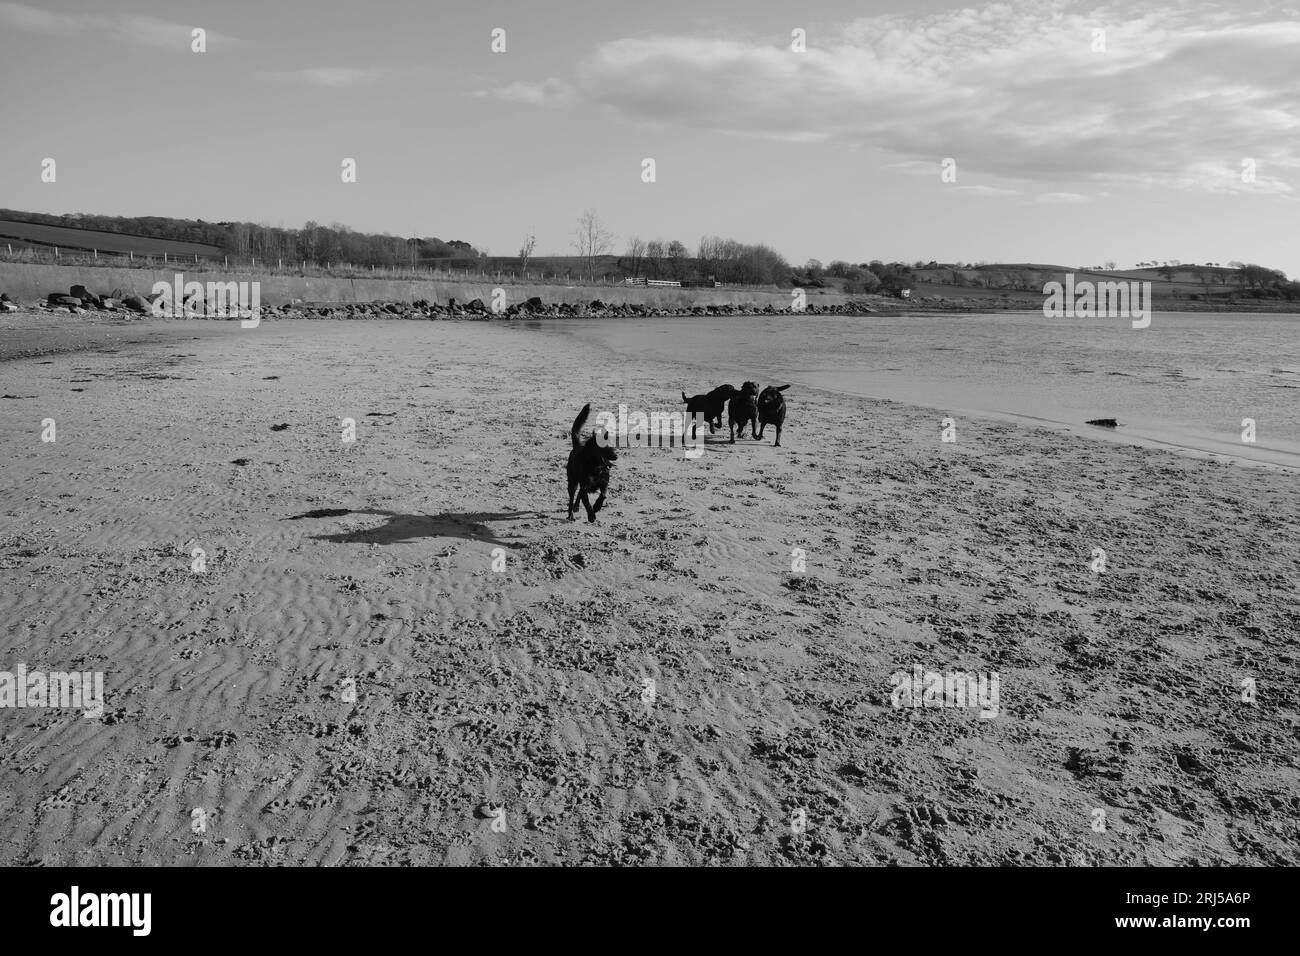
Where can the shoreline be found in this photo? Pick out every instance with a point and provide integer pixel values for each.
(105, 331)
(1281, 460)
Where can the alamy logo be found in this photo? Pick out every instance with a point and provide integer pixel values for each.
(639, 430)
(103, 909)
(1088, 299)
(924, 688)
(81, 690)
(221, 300)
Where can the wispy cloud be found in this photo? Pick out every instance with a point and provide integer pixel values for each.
(133, 28)
(1019, 92)
(549, 92)
(331, 77)
(1056, 198)
(986, 191)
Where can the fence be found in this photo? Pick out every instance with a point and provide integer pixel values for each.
(54, 255)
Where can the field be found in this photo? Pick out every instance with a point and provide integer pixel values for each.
(25, 234)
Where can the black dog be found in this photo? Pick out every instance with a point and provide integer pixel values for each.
(771, 411)
(710, 406)
(588, 467)
(743, 410)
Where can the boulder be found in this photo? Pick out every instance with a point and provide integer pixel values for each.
(535, 303)
(136, 304)
(84, 295)
(60, 299)
(476, 306)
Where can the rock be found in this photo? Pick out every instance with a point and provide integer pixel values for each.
(476, 306)
(535, 303)
(58, 298)
(86, 297)
(597, 305)
(1104, 423)
(7, 306)
(136, 304)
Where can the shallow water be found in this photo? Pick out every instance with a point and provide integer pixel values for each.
(1187, 381)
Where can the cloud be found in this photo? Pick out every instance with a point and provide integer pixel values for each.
(986, 191)
(550, 92)
(1014, 91)
(331, 77)
(1061, 197)
(135, 28)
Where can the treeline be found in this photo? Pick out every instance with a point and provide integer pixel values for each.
(885, 278)
(313, 242)
(718, 259)
(738, 263)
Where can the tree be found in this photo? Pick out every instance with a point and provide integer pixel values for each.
(591, 239)
(526, 252)
(677, 254)
(636, 248)
(654, 253)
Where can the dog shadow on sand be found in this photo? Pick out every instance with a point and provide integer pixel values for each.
(405, 529)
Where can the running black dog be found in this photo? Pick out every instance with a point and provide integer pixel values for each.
(709, 405)
(771, 410)
(742, 410)
(588, 467)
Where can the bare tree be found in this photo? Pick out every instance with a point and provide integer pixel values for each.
(654, 252)
(591, 239)
(526, 252)
(677, 253)
(635, 252)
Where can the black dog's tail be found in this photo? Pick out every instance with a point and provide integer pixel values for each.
(578, 423)
(685, 399)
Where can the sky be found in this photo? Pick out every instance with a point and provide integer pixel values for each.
(1172, 134)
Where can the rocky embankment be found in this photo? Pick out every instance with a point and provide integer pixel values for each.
(79, 300)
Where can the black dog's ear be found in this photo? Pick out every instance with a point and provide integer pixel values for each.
(783, 388)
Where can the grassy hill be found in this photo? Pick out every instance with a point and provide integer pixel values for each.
(37, 235)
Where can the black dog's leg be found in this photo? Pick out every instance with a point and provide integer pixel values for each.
(732, 425)
(573, 498)
(777, 444)
(761, 427)
(600, 500)
(591, 512)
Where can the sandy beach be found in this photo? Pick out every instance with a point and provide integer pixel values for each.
(349, 681)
